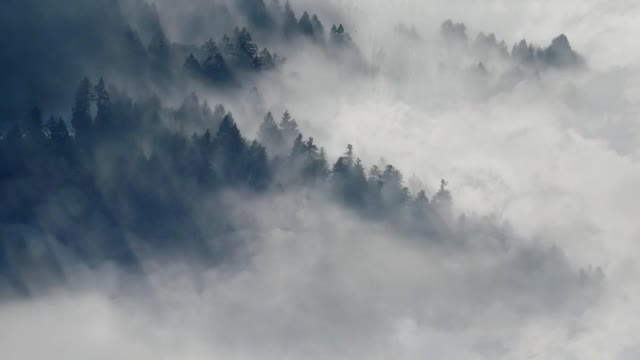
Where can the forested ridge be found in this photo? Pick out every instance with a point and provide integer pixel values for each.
(116, 171)
(120, 175)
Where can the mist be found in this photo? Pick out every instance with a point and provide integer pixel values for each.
(527, 153)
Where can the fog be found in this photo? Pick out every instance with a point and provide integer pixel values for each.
(539, 258)
(319, 283)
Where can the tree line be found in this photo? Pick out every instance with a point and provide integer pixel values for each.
(559, 54)
(119, 168)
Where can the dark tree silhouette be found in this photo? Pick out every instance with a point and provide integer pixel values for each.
(81, 115)
(214, 67)
(270, 135)
(318, 28)
(339, 37)
(289, 127)
(290, 25)
(103, 121)
(192, 66)
(257, 13)
(305, 26)
(230, 147)
(97, 188)
(33, 126)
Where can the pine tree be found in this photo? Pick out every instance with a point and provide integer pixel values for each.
(270, 135)
(248, 49)
(340, 169)
(290, 22)
(81, 113)
(393, 192)
(358, 179)
(318, 29)
(229, 48)
(257, 13)
(192, 66)
(442, 199)
(298, 149)
(420, 206)
(214, 67)
(229, 150)
(257, 167)
(323, 164)
(58, 134)
(267, 61)
(289, 127)
(103, 119)
(349, 154)
(160, 53)
(202, 158)
(57, 130)
(305, 27)
(338, 36)
(421, 200)
(348, 179)
(33, 127)
(208, 49)
(134, 45)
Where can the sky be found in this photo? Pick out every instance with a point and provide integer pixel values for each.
(556, 157)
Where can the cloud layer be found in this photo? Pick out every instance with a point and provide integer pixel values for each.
(545, 169)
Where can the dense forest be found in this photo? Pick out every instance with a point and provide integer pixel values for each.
(128, 41)
(302, 179)
(119, 176)
(119, 172)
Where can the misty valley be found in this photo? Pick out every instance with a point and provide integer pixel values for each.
(265, 179)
